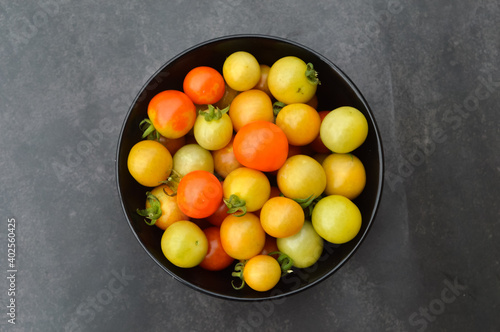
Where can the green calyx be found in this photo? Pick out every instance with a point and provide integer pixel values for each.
(235, 204)
(308, 204)
(312, 75)
(172, 182)
(213, 113)
(149, 130)
(277, 106)
(153, 212)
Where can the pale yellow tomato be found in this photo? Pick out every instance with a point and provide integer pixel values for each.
(291, 80)
(241, 71)
(336, 219)
(344, 129)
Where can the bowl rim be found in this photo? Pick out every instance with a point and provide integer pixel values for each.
(351, 85)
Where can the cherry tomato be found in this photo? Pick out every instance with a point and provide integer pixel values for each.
(261, 145)
(262, 273)
(345, 175)
(301, 177)
(192, 157)
(270, 246)
(213, 129)
(149, 163)
(251, 105)
(162, 208)
(172, 144)
(184, 244)
(317, 144)
(219, 215)
(227, 98)
(291, 80)
(336, 219)
(281, 217)
(248, 184)
(224, 160)
(344, 129)
(242, 237)
(204, 85)
(304, 248)
(299, 122)
(262, 84)
(172, 113)
(241, 71)
(216, 259)
(199, 194)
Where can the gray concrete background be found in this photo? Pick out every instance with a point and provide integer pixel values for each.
(430, 71)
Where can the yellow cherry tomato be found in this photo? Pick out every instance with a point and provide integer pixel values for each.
(242, 237)
(248, 184)
(344, 129)
(162, 208)
(262, 273)
(241, 71)
(300, 123)
(281, 217)
(250, 106)
(345, 175)
(149, 163)
(291, 80)
(304, 248)
(301, 177)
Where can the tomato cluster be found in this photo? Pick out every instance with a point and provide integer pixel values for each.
(243, 167)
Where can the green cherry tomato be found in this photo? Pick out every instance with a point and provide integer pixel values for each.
(336, 219)
(304, 248)
(184, 244)
(213, 129)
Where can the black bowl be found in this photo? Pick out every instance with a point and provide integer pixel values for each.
(336, 90)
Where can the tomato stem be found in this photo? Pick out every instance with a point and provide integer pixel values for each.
(235, 204)
(213, 113)
(285, 261)
(312, 75)
(153, 212)
(149, 130)
(172, 182)
(238, 273)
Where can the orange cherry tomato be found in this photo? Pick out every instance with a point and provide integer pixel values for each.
(261, 145)
(224, 160)
(172, 113)
(262, 272)
(299, 122)
(199, 194)
(249, 106)
(216, 259)
(242, 237)
(204, 85)
(282, 217)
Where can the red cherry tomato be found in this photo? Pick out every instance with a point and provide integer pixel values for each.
(199, 194)
(172, 113)
(261, 145)
(216, 259)
(219, 215)
(204, 85)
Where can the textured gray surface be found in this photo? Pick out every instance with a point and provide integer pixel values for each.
(430, 71)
